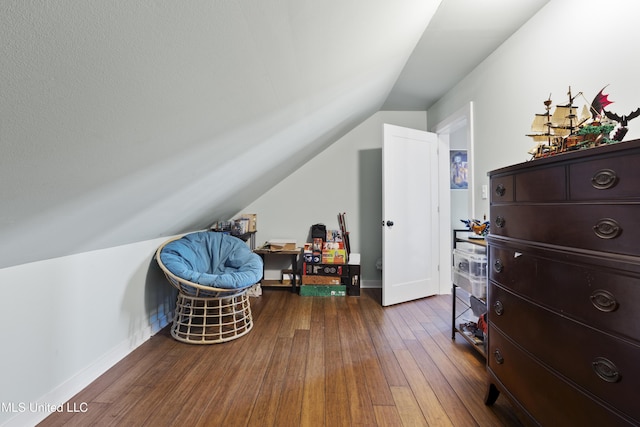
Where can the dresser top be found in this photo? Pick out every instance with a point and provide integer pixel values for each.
(615, 149)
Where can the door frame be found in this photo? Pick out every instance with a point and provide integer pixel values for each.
(459, 119)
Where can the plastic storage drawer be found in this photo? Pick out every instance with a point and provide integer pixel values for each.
(475, 265)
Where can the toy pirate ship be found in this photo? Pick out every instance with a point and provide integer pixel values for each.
(556, 132)
(565, 130)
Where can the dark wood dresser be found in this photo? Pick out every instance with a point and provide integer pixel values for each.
(564, 287)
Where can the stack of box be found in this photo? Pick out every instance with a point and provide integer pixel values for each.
(325, 270)
(470, 270)
(245, 223)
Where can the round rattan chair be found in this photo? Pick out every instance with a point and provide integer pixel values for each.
(208, 314)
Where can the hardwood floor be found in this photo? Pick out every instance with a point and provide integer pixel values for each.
(309, 361)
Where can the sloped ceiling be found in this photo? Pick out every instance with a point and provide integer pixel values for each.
(460, 35)
(123, 121)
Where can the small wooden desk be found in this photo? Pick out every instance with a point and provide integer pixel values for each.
(294, 261)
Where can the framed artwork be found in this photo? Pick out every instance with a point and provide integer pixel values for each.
(459, 169)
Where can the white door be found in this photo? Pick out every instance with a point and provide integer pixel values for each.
(409, 214)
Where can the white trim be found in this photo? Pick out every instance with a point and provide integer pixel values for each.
(461, 118)
(373, 284)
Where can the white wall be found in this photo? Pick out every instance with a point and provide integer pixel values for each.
(67, 320)
(346, 177)
(582, 44)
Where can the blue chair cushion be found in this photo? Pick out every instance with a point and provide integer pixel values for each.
(212, 259)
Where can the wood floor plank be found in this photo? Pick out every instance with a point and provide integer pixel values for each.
(309, 361)
(439, 383)
(222, 364)
(313, 401)
(116, 413)
(241, 377)
(377, 384)
(96, 417)
(387, 416)
(266, 405)
(429, 358)
(290, 405)
(297, 313)
(159, 382)
(372, 315)
(407, 407)
(167, 375)
(256, 357)
(336, 391)
(467, 388)
(426, 398)
(358, 395)
(401, 329)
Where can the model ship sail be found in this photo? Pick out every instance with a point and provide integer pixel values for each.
(542, 127)
(550, 131)
(565, 119)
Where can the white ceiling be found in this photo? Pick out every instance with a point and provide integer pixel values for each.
(460, 35)
(126, 121)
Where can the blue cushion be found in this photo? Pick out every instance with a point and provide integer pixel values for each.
(212, 259)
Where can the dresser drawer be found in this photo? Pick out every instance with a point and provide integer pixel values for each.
(606, 298)
(541, 185)
(603, 227)
(605, 178)
(552, 401)
(605, 366)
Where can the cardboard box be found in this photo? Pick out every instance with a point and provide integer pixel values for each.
(332, 245)
(334, 256)
(323, 291)
(334, 236)
(325, 269)
(251, 222)
(321, 280)
(282, 245)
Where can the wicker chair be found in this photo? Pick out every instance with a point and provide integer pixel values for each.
(207, 314)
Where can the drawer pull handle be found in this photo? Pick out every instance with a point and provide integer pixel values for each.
(500, 222)
(607, 228)
(498, 308)
(500, 190)
(606, 370)
(497, 354)
(604, 300)
(498, 266)
(604, 179)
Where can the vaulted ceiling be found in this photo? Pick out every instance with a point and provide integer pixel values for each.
(126, 121)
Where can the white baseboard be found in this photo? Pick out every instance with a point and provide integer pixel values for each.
(371, 284)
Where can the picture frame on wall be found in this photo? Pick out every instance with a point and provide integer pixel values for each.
(459, 170)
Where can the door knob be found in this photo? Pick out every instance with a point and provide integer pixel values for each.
(389, 223)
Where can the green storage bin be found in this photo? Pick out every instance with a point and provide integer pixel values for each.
(323, 290)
